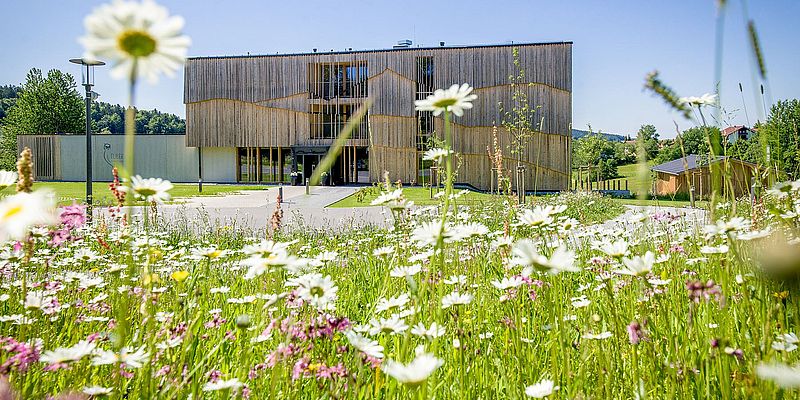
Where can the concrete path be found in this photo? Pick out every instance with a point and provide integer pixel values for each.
(252, 209)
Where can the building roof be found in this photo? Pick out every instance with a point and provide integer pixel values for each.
(732, 129)
(689, 163)
(387, 49)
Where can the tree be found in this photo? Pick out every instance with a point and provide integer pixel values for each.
(695, 141)
(48, 104)
(599, 153)
(781, 132)
(8, 96)
(647, 138)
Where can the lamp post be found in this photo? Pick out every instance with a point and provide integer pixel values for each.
(87, 80)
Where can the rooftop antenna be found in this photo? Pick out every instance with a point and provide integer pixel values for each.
(764, 102)
(744, 105)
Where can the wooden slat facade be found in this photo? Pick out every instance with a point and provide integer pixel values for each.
(266, 101)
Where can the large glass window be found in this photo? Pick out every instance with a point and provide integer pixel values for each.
(338, 80)
(424, 79)
(327, 120)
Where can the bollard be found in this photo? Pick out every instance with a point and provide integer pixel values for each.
(280, 194)
(308, 190)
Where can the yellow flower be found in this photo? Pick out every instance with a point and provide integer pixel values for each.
(179, 276)
(781, 295)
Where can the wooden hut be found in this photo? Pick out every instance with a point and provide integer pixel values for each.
(278, 114)
(678, 176)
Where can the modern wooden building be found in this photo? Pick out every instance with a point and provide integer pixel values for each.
(278, 114)
(678, 176)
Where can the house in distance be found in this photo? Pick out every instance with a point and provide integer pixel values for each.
(678, 176)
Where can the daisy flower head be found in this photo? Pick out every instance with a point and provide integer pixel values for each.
(415, 372)
(638, 265)
(7, 178)
(222, 384)
(436, 154)
(318, 290)
(137, 38)
(707, 99)
(149, 189)
(134, 358)
(365, 345)
(526, 253)
(783, 375)
(97, 391)
(456, 99)
(455, 299)
(542, 389)
(22, 211)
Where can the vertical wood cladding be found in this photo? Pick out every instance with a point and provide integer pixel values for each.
(264, 101)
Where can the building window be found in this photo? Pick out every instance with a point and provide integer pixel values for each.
(424, 78)
(338, 80)
(328, 120)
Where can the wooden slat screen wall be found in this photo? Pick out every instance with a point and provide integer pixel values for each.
(263, 101)
(44, 149)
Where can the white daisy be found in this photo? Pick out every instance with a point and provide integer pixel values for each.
(544, 388)
(436, 154)
(431, 333)
(783, 375)
(638, 265)
(614, 249)
(598, 336)
(96, 391)
(317, 290)
(68, 354)
(7, 178)
(526, 253)
(707, 99)
(456, 299)
(508, 283)
(149, 189)
(22, 211)
(128, 356)
(392, 302)
(456, 99)
(139, 39)
(383, 251)
(222, 384)
(391, 325)
(365, 345)
(416, 372)
(403, 271)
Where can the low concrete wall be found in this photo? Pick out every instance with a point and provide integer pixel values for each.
(63, 158)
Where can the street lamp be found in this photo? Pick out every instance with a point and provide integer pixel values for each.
(87, 79)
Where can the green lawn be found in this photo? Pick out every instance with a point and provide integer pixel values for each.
(419, 195)
(69, 192)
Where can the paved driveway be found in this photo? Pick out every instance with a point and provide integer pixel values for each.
(252, 209)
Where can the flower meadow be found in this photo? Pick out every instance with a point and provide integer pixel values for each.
(451, 301)
(517, 302)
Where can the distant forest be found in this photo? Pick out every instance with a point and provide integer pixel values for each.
(110, 118)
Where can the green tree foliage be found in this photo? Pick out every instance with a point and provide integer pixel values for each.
(599, 153)
(750, 150)
(110, 118)
(781, 133)
(43, 104)
(647, 138)
(46, 104)
(695, 141)
(8, 96)
(625, 153)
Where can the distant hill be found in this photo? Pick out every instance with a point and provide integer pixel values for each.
(577, 134)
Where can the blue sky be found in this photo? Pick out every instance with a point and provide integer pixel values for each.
(616, 43)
